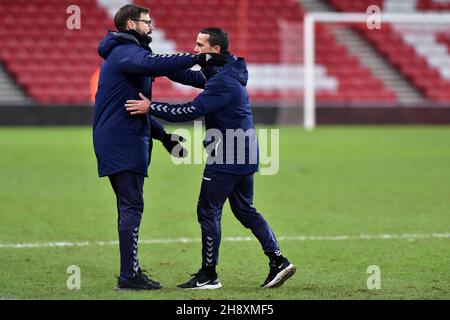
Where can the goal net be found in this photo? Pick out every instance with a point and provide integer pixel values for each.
(306, 77)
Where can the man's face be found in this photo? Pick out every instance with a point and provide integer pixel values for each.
(203, 46)
(144, 26)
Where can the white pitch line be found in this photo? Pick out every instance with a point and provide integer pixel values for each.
(405, 236)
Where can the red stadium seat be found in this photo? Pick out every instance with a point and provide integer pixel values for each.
(56, 68)
(51, 62)
(392, 46)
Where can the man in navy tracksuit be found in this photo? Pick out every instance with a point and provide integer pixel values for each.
(123, 142)
(224, 103)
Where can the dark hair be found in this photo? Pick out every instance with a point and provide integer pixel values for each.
(217, 37)
(127, 12)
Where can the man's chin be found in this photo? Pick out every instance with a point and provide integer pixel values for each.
(148, 37)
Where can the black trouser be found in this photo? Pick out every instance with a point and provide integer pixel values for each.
(215, 189)
(128, 187)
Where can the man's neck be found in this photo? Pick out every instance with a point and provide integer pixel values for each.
(141, 39)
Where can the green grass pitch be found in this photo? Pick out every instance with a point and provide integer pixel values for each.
(334, 181)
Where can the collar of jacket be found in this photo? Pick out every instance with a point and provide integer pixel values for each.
(134, 36)
(211, 71)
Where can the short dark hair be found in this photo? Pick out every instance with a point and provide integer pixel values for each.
(127, 12)
(217, 36)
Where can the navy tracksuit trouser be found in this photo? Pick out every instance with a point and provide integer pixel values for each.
(215, 189)
(128, 187)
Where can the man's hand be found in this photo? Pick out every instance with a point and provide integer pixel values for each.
(172, 144)
(211, 59)
(138, 107)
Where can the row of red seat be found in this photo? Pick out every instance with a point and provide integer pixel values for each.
(355, 6)
(181, 23)
(54, 64)
(264, 43)
(400, 54)
(444, 38)
(433, 5)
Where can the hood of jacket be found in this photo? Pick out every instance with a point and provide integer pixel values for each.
(236, 68)
(115, 38)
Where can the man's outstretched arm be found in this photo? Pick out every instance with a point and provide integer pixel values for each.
(136, 60)
(196, 78)
(189, 77)
(211, 99)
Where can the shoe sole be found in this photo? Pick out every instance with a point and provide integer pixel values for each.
(118, 289)
(281, 277)
(205, 287)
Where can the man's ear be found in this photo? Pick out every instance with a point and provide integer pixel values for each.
(130, 24)
(216, 49)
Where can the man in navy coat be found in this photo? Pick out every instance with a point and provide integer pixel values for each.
(230, 166)
(123, 142)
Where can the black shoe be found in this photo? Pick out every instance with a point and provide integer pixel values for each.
(139, 282)
(202, 280)
(278, 274)
(148, 278)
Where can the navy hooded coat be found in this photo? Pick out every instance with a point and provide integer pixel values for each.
(122, 141)
(225, 105)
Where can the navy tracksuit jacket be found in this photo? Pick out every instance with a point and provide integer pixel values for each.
(225, 105)
(122, 142)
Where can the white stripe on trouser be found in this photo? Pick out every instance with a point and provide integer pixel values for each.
(209, 251)
(135, 250)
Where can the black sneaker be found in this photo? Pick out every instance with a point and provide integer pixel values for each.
(140, 271)
(278, 274)
(140, 282)
(201, 280)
